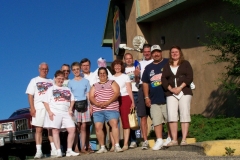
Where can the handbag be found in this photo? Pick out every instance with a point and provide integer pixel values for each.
(133, 120)
(81, 106)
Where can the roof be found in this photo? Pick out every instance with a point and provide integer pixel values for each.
(158, 13)
(167, 9)
(108, 30)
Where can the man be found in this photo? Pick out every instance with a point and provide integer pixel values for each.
(66, 70)
(129, 70)
(154, 94)
(36, 90)
(142, 110)
(85, 65)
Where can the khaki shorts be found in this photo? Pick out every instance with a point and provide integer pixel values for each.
(158, 114)
(183, 106)
(38, 120)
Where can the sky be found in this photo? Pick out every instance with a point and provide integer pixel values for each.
(51, 31)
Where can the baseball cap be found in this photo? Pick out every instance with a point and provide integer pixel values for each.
(155, 47)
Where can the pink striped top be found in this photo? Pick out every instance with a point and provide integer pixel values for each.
(103, 92)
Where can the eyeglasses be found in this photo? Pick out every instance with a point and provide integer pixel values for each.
(44, 69)
(66, 71)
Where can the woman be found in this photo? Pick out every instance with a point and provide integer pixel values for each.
(176, 79)
(80, 88)
(104, 99)
(59, 102)
(126, 100)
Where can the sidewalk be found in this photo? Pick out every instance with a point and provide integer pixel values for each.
(184, 152)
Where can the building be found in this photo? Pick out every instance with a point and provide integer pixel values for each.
(175, 22)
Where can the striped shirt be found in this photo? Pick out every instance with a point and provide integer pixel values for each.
(103, 92)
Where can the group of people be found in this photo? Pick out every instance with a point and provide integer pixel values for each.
(158, 87)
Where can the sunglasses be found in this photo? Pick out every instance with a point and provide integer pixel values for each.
(66, 71)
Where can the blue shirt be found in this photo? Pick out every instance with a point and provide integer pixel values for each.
(79, 88)
(152, 75)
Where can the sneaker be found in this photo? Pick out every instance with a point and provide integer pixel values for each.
(71, 153)
(168, 140)
(38, 155)
(102, 150)
(58, 155)
(158, 145)
(53, 153)
(118, 149)
(133, 145)
(145, 145)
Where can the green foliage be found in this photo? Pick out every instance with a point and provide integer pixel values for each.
(229, 151)
(225, 37)
(218, 128)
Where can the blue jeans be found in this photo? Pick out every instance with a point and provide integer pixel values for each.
(134, 132)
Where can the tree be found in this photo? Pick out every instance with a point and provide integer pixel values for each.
(225, 37)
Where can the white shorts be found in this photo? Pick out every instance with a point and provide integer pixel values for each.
(183, 105)
(38, 120)
(60, 119)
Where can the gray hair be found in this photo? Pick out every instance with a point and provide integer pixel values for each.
(42, 64)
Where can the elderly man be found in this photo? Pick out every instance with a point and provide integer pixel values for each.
(154, 94)
(35, 91)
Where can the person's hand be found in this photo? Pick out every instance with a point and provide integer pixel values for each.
(148, 102)
(176, 90)
(33, 112)
(51, 114)
(105, 104)
(132, 107)
(70, 111)
(137, 71)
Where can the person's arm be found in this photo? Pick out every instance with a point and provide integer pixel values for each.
(91, 96)
(31, 103)
(115, 96)
(146, 94)
(164, 78)
(129, 90)
(137, 74)
(188, 78)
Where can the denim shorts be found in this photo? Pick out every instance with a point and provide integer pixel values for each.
(105, 116)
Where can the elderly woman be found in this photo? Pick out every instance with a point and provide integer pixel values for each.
(59, 102)
(104, 99)
(176, 79)
(126, 97)
(80, 88)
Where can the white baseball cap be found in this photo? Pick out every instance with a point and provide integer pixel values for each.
(155, 47)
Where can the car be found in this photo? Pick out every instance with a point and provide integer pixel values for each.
(17, 136)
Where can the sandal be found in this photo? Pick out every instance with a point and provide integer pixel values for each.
(90, 150)
(183, 143)
(172, 143)
(112, 149)
(124, 148)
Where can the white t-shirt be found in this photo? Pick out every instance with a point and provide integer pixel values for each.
(143, 64)
(38, 87)
(121, 81)
(58, 98)
(65, 83)
(90, 78)
(174, 70)
(130, 72)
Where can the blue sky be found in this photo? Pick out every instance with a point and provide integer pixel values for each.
(52, 31)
